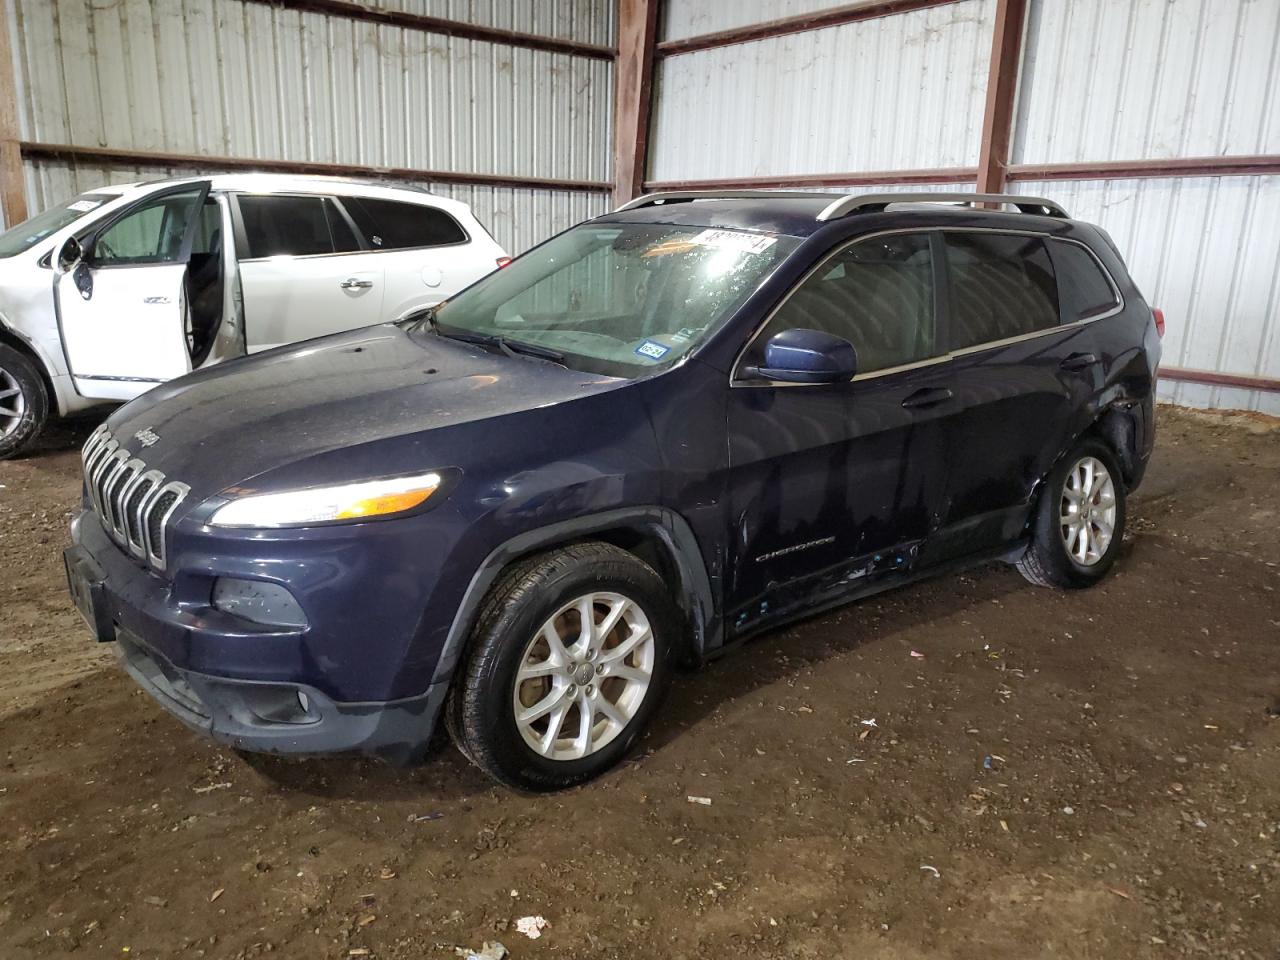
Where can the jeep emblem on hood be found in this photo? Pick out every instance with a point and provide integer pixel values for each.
(147, 437)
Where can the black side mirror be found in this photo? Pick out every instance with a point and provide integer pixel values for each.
(70, 255)
(807, 356)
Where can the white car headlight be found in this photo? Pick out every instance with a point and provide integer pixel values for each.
(348, 501)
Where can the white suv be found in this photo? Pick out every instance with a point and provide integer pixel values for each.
(126, 287)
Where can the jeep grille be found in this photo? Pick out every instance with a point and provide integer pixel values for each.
(133, 502)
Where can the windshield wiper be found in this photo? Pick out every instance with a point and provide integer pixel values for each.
(511, 348)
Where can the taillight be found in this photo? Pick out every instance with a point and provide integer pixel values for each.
(1159, 315)
(503, 261)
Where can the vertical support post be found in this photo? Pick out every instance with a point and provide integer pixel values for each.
(633, 81)
(13, 199)
(1002, 93)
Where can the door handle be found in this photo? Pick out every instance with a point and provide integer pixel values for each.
(926, 397)
(352, 283)
(1078, 361)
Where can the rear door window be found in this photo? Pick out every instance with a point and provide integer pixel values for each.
(877, 294)
(1084, 290)
(391, 225)
(294, 226)
(1002, 286)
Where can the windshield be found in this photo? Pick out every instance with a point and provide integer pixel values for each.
(30, 232)
(617, 299)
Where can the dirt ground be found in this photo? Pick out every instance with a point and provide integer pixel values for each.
(1130, 806)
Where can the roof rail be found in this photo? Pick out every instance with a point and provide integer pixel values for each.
(876, 202)
(686, 196)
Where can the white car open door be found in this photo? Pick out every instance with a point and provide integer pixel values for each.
(120, 294)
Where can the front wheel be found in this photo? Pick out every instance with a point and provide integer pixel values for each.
(568, 662)
(24, 403)
(1079, 520)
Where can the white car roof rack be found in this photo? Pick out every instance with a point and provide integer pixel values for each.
(854, 202)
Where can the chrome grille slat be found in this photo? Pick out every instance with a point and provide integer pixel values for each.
(135, 504)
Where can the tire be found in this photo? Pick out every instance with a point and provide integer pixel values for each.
(22, 413)
(583, 682)
(1076, 555)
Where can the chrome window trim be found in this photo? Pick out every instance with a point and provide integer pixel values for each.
(735, 382)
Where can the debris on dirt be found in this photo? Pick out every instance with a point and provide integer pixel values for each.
(216, 894)
(209, 788)
(1119, 893)
(930, 869)
(387, 874)
(868, 723)
(917, 654)
(532, 927)
(986, 763)
(492, 950)
(424, 817)
(1068, 810)
(702, 801)
(156, 901)
(855, 760)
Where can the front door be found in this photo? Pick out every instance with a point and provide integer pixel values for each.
(122, 309)
(303, 270)
(834, 487)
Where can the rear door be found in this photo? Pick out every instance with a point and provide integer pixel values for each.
(303, 270)
(426, 254)
(836, 486)
(1024, 379)
(122, 309)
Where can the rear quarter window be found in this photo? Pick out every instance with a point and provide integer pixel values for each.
(1084, 290)
(392, 225)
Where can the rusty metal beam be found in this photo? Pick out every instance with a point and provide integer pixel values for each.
(834, 17)
(199, 162)
(1239, 166)
(637, 32)
(1002, 93)
(1215, 379)
(862, 178)
(13, 196)
(452, 28)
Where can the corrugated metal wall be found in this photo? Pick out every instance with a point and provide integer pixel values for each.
(1101, 80)
(1206, 250)
(243, 79)
(1163, 79)
(896, 92)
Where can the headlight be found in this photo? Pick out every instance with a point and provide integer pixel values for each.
(348, 501)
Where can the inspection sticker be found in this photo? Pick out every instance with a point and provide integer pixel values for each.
(84, 206)
(734, 240)
(653, 350)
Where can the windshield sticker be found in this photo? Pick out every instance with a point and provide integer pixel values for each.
(653, 350)
(84, 206)
(734, 240)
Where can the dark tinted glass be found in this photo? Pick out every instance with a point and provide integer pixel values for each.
(877, 294)
(1083, 289)
(1001, 286)
(390, 225)
(277, 226)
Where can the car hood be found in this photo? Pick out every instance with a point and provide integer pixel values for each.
(236, 421)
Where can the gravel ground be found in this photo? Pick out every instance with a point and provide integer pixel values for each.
(1130, 806)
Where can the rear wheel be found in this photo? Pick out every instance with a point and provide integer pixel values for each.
(24, 402)
(1079, 521)
(569, 660)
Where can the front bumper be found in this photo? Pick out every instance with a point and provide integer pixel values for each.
(172, 649)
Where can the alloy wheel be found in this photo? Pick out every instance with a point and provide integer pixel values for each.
(1087, 514)
(583, 676)
(13, 403)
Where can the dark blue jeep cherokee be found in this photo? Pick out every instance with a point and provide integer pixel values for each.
(659, 432)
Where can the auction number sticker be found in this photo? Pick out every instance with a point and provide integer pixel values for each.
(734, 240)
(84, 206)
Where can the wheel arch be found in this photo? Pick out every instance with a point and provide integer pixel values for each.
(657, 535)
(12, 339)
